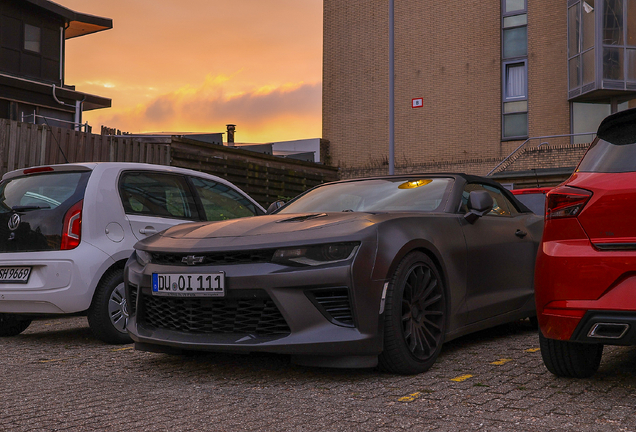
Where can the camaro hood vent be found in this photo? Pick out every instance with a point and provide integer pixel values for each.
(303, 217)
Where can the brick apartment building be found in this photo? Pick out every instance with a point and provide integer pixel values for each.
(491, 75)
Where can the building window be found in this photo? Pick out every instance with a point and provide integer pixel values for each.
(32, 38)
(515, 80)
(514, 53)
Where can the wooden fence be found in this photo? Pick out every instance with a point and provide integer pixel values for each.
(24, 145)
(266, 178)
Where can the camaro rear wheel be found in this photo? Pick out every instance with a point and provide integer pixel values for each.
(108, 314)
(415, 316)
(570, 359)
(13, 325)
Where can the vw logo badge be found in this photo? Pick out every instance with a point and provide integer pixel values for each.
(14, 221)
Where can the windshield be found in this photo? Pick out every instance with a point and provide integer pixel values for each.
(376, 195)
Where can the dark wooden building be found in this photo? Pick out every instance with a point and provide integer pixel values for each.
(33, 36)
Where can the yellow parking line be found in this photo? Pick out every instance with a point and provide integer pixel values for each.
(461, 378)
(410, 398)
(533, 350)
(54, 360)
(501, 361)
(122, 349)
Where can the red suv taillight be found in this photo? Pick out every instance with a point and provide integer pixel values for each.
(72, 230)
(566, 201)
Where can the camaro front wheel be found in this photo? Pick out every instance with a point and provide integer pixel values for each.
(415, 316)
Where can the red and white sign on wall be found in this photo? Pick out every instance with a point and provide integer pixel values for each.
(417, 103)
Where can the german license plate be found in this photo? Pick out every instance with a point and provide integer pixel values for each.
(14, 274)
(188, 284)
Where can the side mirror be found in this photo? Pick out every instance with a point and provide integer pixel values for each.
(479, 203)
(275, 206)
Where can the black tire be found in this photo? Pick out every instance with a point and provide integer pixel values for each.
(414, 316)
(108, 314)
(13, 325)
(570, 359)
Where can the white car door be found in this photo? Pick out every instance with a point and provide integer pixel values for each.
(155, 201)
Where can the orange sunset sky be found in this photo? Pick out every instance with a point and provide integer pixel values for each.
(197, 65)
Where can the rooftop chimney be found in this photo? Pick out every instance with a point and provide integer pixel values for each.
(230, 134)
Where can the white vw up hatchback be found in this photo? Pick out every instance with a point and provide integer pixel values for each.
(66, 232)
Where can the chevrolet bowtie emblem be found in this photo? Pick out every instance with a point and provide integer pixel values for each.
(192, 260)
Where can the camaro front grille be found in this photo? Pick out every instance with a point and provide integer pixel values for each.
(258, 316)
(217, 258)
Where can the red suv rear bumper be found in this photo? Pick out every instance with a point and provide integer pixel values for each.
(578, 287)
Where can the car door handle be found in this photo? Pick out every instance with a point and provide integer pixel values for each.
(521, 234)
(148, 230)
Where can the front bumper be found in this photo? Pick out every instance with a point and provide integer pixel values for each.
(303, 323)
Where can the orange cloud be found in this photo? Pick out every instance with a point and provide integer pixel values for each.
(151, 63)
(291, 111)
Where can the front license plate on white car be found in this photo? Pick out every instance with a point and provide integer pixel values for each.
(188, 284)
(14, 274)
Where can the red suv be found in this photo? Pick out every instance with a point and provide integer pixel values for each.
(585, 278)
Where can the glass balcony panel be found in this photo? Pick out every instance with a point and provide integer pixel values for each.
(587, 24)
(613, 63)
(586, 117)
(574, 67)
(631, 23)
(589, 67)
(574, 42)
(631, 64)
(515, 42)
(613, 22)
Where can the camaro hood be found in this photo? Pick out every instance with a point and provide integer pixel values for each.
(261, 231)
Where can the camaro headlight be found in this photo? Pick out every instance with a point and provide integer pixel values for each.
(143, 257)
(316, 255)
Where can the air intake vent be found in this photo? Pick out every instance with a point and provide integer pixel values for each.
(132, 303)
(250, 316)
(334, 304)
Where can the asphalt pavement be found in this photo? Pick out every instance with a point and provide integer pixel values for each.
(57, 377)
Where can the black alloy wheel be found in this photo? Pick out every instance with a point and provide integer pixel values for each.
(415, 316)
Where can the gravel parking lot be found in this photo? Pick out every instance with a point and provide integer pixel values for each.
(56, 376)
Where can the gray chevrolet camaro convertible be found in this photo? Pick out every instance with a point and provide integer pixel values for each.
(348, 274)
